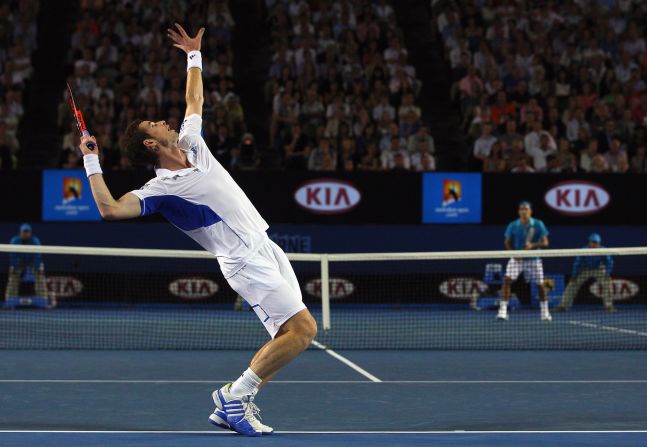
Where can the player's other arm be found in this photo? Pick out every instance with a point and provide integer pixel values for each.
(127, 207)
(191, 45)
(194, 94)
(541, 243)
(507, 241)
(543, 238)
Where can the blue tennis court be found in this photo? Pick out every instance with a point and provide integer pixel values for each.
(449, 398)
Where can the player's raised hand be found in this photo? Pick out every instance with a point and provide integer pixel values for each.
(182, 40)
(85, 150)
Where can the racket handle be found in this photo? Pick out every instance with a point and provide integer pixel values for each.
(89, 144)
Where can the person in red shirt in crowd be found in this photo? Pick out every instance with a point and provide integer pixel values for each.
(503, 109)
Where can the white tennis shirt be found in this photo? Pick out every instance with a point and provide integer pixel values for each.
(205, 202)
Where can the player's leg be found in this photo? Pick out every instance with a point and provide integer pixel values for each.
(293, 338)
(281, 261)
(512, 272)
(534, 271)
(279, 305)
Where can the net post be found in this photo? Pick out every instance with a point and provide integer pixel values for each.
(325, 293)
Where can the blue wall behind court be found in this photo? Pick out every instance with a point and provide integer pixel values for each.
(326, 238)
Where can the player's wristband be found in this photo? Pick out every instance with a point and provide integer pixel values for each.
(194, 60)
(91, 163)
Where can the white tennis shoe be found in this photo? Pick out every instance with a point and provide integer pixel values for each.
(239, 415)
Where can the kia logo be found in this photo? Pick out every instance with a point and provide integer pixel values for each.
(64, 286)
(620, 289)
(327, 196)
(462, 288)
(338, 288)
(577, 198)
(193, 288)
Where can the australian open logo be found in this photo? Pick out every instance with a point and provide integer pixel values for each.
(452, 199)
(72, 202)
(71, 189)
(452, 192)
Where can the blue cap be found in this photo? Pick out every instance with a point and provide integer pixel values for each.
(525, 204)
(595, 237)
(25, 227)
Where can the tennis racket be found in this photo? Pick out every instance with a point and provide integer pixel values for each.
(78, 117)
(530, 235)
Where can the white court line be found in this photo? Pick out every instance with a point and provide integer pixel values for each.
(323, 432)
(608, 328)
(345, 361)
(352, 382)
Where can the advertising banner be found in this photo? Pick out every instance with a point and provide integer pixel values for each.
(451, 198)
(67, 196)
(566, 200)
(91, 289)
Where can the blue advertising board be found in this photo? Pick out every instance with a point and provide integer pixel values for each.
(67, 196)
(451, 198)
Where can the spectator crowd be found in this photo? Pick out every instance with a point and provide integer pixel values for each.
(549, 86)
(342, 90)
(18, 34)
(123, 67)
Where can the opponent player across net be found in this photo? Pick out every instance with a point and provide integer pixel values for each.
(525, 233)
(197, 195)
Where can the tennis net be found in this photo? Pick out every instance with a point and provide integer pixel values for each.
(109, 298)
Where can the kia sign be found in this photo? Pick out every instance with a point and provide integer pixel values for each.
(327, 196)
(193, 288)
(462, 288)
(64, 286)
(338, 287)
(577, 198)
(620, 289)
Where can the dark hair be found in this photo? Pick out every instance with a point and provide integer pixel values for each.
(132, 143)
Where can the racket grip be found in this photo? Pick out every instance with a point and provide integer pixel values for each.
(89, 144)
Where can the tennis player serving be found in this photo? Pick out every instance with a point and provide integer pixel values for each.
(525, 233)
(197, 195)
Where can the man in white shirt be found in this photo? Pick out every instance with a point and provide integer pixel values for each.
(196, 194)
(395, 156)
(532, 138)
(422, 160)
(540, 153)
(483, 144)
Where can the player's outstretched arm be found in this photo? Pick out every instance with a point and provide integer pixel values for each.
(127, 207)
(191, 45)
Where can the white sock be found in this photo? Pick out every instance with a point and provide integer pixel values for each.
(543, 305)
(503, 306)
(246, 385)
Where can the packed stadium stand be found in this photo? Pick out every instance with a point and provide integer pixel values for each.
(549, 86)
(18, 40)
(343, 85)
(342, 89)
(121, 67)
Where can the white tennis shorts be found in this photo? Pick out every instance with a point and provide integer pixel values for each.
(268, 283)
(532, 269)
